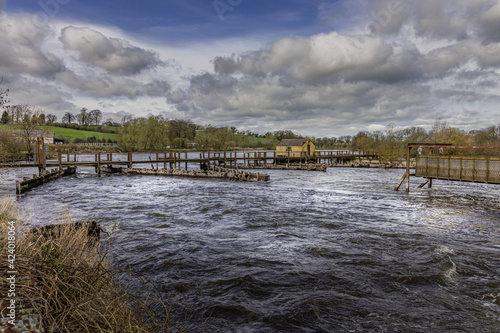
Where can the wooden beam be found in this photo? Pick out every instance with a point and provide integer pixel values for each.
(400, 182)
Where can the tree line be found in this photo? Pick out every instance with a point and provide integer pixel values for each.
(159, 133)
(391, 144)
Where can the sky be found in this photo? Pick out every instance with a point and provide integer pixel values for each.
(319, 68)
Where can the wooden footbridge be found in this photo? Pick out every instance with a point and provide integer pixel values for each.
(212, 164)
(436, 164)
(177, 160)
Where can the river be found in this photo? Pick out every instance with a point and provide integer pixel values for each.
(337, 251)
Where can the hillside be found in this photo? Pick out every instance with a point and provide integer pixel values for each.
(72, 135)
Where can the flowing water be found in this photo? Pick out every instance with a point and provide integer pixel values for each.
(307, 252)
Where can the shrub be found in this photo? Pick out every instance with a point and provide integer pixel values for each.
(73, 285)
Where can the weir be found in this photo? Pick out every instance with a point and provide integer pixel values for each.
(27, 184)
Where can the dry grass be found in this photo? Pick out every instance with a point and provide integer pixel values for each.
(73, 285)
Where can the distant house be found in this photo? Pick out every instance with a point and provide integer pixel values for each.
(48, 136)
(295, 148)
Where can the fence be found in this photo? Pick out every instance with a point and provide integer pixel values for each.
(481, 170)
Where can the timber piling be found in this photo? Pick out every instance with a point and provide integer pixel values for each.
(303, 167)
(45, 176)
(212, 172)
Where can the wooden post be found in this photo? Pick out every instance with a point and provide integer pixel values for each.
(43, 156)
(473, 170)
(98, 164)
(461, 169)
(400, 183)
(408, 168)
(487, 170)
(59, 157)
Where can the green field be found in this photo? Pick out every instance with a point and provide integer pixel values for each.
(72, 134)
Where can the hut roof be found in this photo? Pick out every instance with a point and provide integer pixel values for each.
(293, 142)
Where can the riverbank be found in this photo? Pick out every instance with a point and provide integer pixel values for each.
(66, 282)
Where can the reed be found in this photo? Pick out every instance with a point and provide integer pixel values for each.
(72, 283)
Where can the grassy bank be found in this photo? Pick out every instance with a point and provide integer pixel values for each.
(70, 134)
(72, 284)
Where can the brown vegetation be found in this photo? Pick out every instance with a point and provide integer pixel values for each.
(391, 144)
(73, 285)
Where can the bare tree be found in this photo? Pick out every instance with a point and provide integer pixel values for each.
(31, 120)
(68, 118)
(83, 117)
(3, 95)
(95, 116)
(51, 119)
(14, 112)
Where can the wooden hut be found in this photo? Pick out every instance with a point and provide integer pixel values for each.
(295, 148)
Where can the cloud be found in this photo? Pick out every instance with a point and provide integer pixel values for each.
(105, 86)
(274, 102)
(328, 56)
(489, 55)
(436, 59)
(37, 92)
(490, 24)
(437, 19)
(115, 55)
(373, 63)
(40, 71)
(21, 50)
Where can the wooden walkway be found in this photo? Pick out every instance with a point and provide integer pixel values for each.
(177, 160)
(455, 168)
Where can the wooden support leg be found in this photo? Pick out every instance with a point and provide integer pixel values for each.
(427, 182)
(400, 183)
(424, 183)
